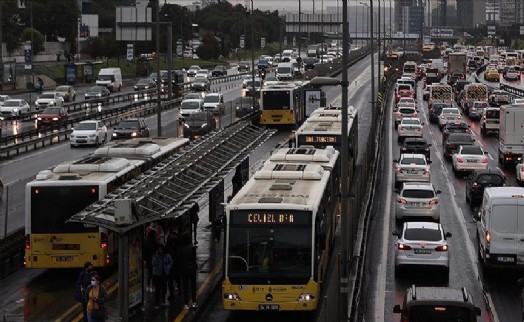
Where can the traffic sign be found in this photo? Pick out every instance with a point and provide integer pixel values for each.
(179, 49)
(492, 30)
(285, 41)
(130, 53)
(262, 42)
(522, 30)
(242, 42)
(294, 41)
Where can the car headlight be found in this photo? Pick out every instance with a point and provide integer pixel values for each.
(204, 125)
(136, 87)
(114, 134)
(98, 95)
(134, 134)
(72, 136)
(15, 110)
(238, 107)
(92, 135)
(51, 103)
(186, 126)
(55, 118)
(39, 118)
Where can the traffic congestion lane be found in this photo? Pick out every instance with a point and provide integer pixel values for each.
(462, 263)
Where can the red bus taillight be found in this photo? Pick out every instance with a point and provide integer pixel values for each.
(27, 242)
(103, 240)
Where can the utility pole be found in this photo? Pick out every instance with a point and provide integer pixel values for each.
(1, 47)
(253, 92)
(158, 80)
(299, 25)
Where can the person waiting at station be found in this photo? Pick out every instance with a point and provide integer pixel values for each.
(173, 248)
(82, 283)
(162, 263)
(189, 270)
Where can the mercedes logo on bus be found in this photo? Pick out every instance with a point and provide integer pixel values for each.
(269, 297)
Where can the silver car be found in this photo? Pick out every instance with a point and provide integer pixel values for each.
(476, 108)
(469, 158)
(404, 111)
(410, 127)
(411, 167)
(418, 199)
(422, 244)
(448, 114)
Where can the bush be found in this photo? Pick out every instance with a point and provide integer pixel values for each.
(206, 52)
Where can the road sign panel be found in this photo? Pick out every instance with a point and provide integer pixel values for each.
(262, 42)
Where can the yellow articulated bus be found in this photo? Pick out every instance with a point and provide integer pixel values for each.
(278, 237)
(67, 188)
(282, 103)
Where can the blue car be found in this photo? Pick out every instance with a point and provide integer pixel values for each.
(263, 64)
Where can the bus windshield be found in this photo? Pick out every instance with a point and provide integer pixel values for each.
(276, 100)
(262, 251)
(52, 206)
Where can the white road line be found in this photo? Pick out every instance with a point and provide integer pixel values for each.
(381, 285)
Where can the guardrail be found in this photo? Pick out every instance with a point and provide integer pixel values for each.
(512, 90)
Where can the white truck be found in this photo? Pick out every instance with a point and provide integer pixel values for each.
(457, 63)
(511, 133)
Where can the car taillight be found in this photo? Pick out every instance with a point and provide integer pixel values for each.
(426, 149)
(426, 171)
(402, 201)
(475, 186)
(434, 202)
(403, 246)
(400, 128)
(404, 149)
(399, 170)
(103, 240)
(488, 237)
(415, 114)
(419, 129)
(398, 114)
(442, 116)
(27, 242)
(442, 248)
(522, 167)
(485, 160)
(459, 160)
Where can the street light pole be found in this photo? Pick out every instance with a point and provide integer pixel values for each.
(346, 220)
(158, 80)
(372, 65)
(253, 92)
(299, 25)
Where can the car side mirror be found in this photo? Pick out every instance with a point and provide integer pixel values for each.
(72, 129)
(422, 123)
(472, 140)
(395, 161)
(486, 152)
(478, 312)
(396, 190)
(397, 309)
(439, 192)
(430, 162)
(430, 144)
(448, 235)
(395, 233)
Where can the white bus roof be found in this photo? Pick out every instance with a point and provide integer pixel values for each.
(88, 170)
(141, 148)
(297, 186)
(324, 122)
(327, 158)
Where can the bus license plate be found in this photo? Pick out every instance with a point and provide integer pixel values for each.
(64, 258)
(268, 307)
(506, 259)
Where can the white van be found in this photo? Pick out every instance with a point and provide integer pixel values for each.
(284, 71)
(110, 78)
(500, 228)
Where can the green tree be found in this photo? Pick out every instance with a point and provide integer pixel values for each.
(10, 29)
(205, 52)
(105, 9)
(38, 39)
(210, 41)
(96, 47)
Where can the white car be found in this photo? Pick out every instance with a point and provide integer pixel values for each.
(190, 106)
(88, 132)
(203, 73)
(520, 170)
(49, 99)
(411, 167)
(193, 70)
(14, 108)
(469, 158)
(518, 101)
(404, 111)
(448, 114)
(407, 100)
(410, 127)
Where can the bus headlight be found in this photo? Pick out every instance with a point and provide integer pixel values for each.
(231, 297)
(306, 297)
(186, 125)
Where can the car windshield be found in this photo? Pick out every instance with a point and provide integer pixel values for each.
(422, 234)
(248, 84)
(201, 116)
(283, 70)
(62, 89)
(85, 126)
(416, 193)
(192, 96)
(414, 143)
(416, 161)
(106, 77)
(406, 110)
(199, 81)
(474, 150)
(493, 179)
(95, 89)
(480, 105)
(410, 122)
(190, 105)
(220, 68)
(51, 110)
(144, 81)
(128, 125)
(11, 103)
(47, 95)
(451, 111)
(211, 99)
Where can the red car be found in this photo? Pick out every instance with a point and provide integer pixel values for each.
(403, 93)
(52, 116)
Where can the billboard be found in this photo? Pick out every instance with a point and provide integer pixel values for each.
(442, 32)
(492, 30)
(313, 99)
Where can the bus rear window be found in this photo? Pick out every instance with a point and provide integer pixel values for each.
(440, 313)
(276, 100)
(52, 206)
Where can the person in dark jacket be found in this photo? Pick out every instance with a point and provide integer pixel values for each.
(162, 264)
(150, 248)
(96, 297)
(173, 246)
(82, 283)
(189, 270)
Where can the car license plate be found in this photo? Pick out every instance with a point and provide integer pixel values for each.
(472, 161)
(505, 259)
(268, 307)
(81, 141)
(412, 171)
(64, 258)
(414, 203)
(422, 251)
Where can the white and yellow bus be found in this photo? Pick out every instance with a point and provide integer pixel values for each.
(282, 103)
